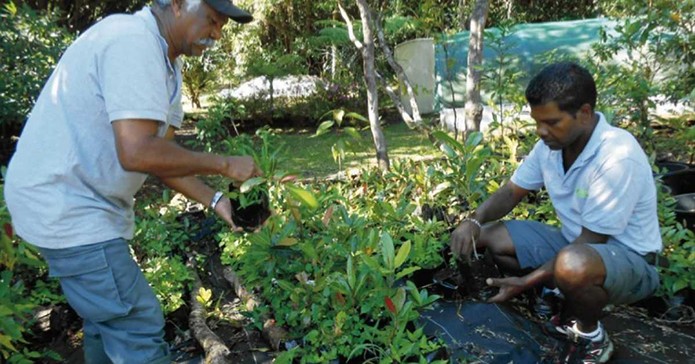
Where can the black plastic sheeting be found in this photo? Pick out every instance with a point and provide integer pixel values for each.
(488, 333)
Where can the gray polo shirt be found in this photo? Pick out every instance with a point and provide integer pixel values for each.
(609, 189)
(64, 185)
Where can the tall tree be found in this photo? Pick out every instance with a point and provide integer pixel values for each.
(474, 104)
(412, 119)
(369, 67)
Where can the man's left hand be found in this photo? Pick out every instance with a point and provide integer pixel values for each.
(223, 209)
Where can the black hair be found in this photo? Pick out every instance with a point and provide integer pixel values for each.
(568, 84)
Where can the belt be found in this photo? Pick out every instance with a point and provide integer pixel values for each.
(656, 260)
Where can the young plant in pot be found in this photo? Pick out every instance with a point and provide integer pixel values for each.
(251, 200)
(250, 203)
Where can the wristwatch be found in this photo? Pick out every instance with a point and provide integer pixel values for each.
(215, 199)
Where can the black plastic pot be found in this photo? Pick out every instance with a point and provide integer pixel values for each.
(671, 167)
(252, 216)
(685, 209)
(680, 182)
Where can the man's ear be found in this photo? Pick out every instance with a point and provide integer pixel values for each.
(176, 6)
(586, 113)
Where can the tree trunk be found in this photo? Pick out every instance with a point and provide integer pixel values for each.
(474, 104)
(367, 50)
(414, 120)
(334, 54)
(271, 90)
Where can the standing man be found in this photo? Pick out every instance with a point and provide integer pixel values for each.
(600, 183)
(103, 122)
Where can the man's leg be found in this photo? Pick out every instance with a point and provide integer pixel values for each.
(93, 346)
(579, 273)
(495, 239)
(518, 246)
(139, 336)
(591, 276)
(107, 289)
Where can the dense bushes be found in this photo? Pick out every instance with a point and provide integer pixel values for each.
(30, 45)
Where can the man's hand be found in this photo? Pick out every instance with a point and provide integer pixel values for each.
(241, 168)
(509, 287)
(463, 239)
(223, 209)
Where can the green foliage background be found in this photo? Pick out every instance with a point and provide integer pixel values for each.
(301, 36)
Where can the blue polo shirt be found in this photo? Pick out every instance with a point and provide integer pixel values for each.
(609, 189)
(65, 186)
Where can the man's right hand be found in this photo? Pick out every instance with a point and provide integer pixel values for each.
(462, 239)
(241, 168)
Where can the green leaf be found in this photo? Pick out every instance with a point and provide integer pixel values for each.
(387, 250)
(679, 285)
(285, 285)
(402, 254)
(407, 271)
(251, 183)
(204, 296)
(324, 127)
(357, 116)
(305, 197)
(399, 299)
(338, 115)
(474, 138)
(287, 242)
(352, 132)
(6, 341)
(350, 273)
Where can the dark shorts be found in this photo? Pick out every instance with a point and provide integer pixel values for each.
(628, 276)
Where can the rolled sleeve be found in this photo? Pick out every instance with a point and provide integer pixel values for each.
(529, 175)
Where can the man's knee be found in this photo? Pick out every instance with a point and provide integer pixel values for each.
(495, 238)
(578, 266)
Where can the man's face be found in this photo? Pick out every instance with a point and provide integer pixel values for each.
(558, 129)
(200, 26)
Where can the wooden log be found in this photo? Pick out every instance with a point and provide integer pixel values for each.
(275, 335)
(246, 298)
(216, 352)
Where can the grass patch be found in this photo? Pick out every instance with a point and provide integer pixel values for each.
(312, 156)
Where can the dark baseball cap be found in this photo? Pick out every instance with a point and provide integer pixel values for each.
(227, 8)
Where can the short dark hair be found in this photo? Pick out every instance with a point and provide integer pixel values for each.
(566, 83)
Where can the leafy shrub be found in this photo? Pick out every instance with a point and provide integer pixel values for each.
(679, 247)
(20, 269)
(214, 128)
(655, 40)
(160, 244)
(298, 112)
(199, 77)
(30, 45)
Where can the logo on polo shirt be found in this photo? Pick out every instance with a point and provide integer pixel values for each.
(581, 193)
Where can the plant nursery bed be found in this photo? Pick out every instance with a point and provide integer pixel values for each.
(474, 331)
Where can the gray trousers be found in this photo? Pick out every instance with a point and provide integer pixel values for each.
(123, 321)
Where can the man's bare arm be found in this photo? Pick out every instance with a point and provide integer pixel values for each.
(141, 150)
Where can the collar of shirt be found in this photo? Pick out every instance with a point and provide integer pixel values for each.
(151, 22)
(589, 150)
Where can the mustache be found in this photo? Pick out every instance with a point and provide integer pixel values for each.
(206, 42)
